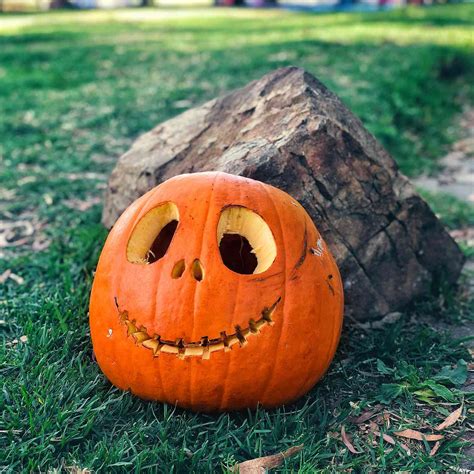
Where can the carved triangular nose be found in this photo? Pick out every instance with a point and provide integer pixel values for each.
(197, 270)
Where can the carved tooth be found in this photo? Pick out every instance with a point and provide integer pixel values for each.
(231, 340)
(169, 349)
(240, 335)
(225, 341)
(216, 347)
(180, 345)
(260, 324)
(140, 336)
(205, 348)
(206, 353)
(267, 316)
(152, 344)
(131, 327)
(253, 327)
(194, 351)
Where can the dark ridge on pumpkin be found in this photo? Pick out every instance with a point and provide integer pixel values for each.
(162, 242)
(236, 253)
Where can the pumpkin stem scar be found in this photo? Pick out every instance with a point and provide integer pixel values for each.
(203, 348)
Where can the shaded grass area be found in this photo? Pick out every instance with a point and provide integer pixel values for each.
(75, 90)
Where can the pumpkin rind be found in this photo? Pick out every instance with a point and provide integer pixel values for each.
(135, 308)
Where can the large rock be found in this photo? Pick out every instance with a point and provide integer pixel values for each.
(288, 130)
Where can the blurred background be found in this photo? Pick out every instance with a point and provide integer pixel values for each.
(315, 5)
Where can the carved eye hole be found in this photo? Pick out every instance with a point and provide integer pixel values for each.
(152, 236)
(246, 243)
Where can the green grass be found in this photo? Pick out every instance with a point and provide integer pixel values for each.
(75, 90)
(454, 212)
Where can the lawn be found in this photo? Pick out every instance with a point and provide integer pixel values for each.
(76, 88)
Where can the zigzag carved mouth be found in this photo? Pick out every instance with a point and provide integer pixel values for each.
(205, 346)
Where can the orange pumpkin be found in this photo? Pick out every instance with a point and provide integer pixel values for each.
(215, 292)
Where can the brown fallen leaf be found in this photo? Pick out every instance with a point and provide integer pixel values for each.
(40, 243)
(418, 435)
(4, 276)
(77, 470)
(389, 438)
(15, 233)
(347, 442)
(16, 278)
(82, 205)
(362, 418)
(435, 448)
(260, 465)
(87, 175)
(373, 426)
(385, 437)
(13, 276)
(450, 420)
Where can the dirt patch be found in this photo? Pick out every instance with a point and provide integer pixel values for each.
(457, 175)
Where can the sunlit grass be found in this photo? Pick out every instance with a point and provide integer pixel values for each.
(403, 27)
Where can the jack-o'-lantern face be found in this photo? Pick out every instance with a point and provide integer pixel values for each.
(215, 292)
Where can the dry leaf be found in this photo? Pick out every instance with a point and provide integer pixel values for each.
(450, 420)
(373, 426)
(13, 276)
(390, 440)
(47, 198)
(4, 276)
(435, 448)
(82, 205)
(418, 435)
(87, 175)
(40, 243)
(16, 278)
(77, 470)
(260, 465)
(15, 233)
(347, 441)
(26, 180)
(365, 416)
(23, 339)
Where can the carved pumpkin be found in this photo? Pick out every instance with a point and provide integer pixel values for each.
(215, 292)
